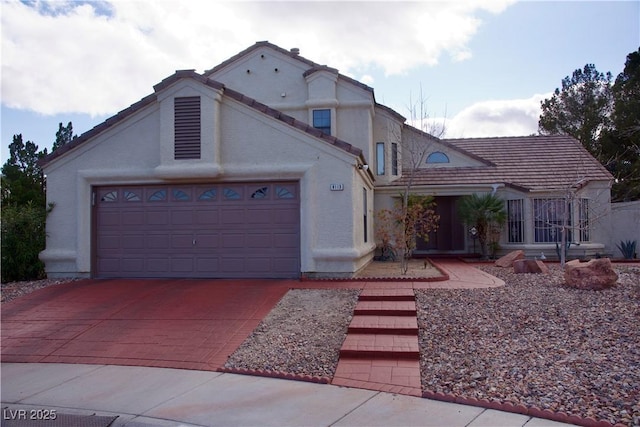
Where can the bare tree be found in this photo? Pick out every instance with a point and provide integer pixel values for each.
(556, 214)
(415, 216)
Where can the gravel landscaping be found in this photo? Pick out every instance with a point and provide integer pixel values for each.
(538, 343)
(13, 290)
(533, 341)
(302, 334)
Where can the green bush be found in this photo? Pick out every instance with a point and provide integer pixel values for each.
(23, 237)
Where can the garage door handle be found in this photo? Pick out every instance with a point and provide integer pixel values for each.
(194, 242)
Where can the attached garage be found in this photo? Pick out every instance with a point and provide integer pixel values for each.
(218, 230)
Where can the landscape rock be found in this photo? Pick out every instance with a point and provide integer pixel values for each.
(507, 260)
(530, 266)
(596, 274)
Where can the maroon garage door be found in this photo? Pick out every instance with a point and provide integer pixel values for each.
(224, 230)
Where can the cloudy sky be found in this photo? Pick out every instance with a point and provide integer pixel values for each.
(484, 65)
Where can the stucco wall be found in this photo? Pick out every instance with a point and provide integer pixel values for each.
(251, 146)
(625, 225)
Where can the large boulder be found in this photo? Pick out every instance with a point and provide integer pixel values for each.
(507, 260)
(596, 274)
(529, 266)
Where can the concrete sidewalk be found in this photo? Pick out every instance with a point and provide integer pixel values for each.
(141, 396)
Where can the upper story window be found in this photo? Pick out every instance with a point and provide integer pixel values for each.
(394, 158)
(380, 158)
(322, 120)
(437, 157)
(187, 129)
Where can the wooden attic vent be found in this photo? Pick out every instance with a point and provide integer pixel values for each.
(187, 127)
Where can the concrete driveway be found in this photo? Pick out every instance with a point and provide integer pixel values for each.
(188, 324)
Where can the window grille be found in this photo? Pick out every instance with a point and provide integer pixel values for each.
(515, 221)
(548, 217)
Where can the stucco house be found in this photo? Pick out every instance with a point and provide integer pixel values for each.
(270, 165)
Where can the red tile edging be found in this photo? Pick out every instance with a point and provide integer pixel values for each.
(444, 277)
(532, 411)
(275, 374)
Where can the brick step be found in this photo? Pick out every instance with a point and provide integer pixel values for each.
(379, 346)
(372, 324)
(385, 308)
(387, 295)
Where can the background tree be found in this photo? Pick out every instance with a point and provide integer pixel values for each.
(582, 108)
(605, 118)
(22, 177)
(63, 136)
(486, 213)
(621, 143)
(24, 209)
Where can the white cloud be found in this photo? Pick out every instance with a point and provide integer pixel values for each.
(507, 117)
(97, 58)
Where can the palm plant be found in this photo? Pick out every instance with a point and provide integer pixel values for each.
(485, 212)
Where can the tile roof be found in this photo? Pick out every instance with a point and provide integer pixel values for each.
(529, 163)
(191, 74)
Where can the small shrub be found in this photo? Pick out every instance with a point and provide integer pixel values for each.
(627, 248)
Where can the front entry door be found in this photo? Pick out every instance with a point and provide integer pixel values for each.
(451, 231)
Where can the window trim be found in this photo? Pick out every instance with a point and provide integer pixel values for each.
(380, 158)
(394, 158)
(321, 124)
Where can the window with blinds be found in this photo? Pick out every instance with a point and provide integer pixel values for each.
(187, 128)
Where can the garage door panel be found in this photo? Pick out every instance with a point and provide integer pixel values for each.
(158, 264)
(221, 230)
(181, 241)
(285, 216)
(182, 217)
(233, 241)
(109, 218)
(207, 264)
(259, 241)
(109, 265)
(157, 217)
(132, 217)
(207, 241)
(108, 242)
(232, 216)
(133, 265)
(285, 240)
(158, 241)
(133, 241)
(208, 216)
(231, 265)
(259, 265)
(182, 265)
(282, 265)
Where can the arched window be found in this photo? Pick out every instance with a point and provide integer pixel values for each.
(437, 157)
